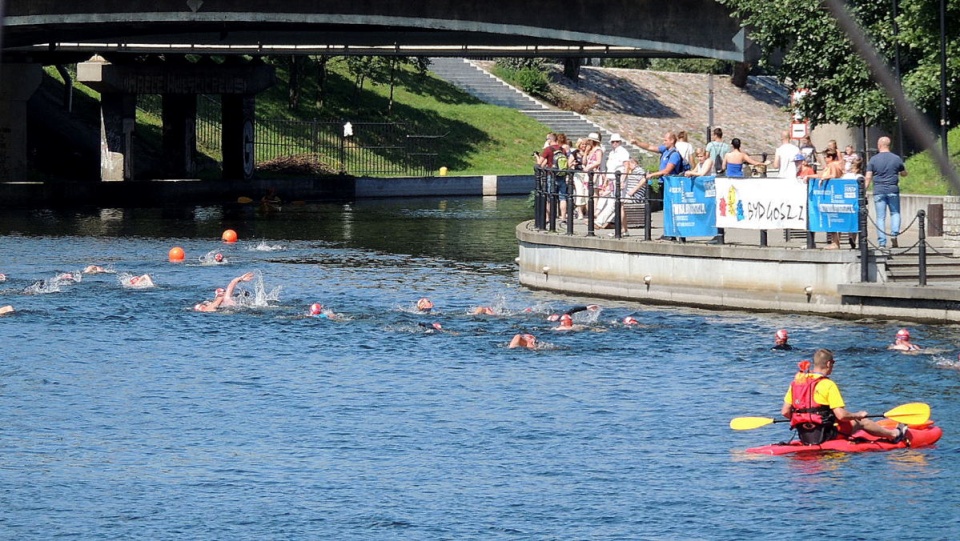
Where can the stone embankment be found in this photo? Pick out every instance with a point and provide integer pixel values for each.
(643, 104)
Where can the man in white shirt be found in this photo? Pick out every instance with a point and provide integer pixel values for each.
(783, 160)
(617, 155)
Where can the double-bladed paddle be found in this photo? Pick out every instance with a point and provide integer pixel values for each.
(914, 413)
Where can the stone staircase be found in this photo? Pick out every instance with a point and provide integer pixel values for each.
(903, 267)
(482, 85)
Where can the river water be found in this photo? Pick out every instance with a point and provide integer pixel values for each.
(127, 415)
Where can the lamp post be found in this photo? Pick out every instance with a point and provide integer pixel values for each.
(943, 77)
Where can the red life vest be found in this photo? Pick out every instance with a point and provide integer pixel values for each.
(807, 413)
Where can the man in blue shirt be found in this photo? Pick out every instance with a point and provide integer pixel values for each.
(885, 170)
(671, 163)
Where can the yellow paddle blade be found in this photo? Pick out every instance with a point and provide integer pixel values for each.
(749, 423)
(914, 413)
(244, 200)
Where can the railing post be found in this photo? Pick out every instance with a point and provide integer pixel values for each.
(921, 218)
(763, 238)
(862, 217)
(811, 242)
(590, 205)
(570, 189)
(554, 200)
(617, 222)
(539, 207)
(647, 212)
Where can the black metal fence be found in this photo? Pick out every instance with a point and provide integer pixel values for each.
(361, 148)
(358, 148)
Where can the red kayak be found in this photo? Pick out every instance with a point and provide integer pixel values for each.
(918, 436)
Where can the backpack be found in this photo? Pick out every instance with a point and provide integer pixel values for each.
(560, 162)
(684, 164)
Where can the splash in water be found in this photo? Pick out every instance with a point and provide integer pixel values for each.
(42, 287)
(213, 257)
(131, 281)
(264, 247)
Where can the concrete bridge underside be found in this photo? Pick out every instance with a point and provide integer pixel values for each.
(46, 32)
(642, 27)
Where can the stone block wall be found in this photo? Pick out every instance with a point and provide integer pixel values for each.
(951, 223)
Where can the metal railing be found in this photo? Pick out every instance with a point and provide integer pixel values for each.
(554, 184)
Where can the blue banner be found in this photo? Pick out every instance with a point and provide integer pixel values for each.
(833, 205)
(689, 207)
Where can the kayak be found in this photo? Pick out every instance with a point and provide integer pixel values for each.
(923, 435)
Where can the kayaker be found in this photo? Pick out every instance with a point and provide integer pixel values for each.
(780, 341)
(523, 341)
(902, 342)
(816, 409)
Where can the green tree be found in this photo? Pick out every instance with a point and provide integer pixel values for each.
(801, 43)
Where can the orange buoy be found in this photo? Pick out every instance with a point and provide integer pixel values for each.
(176, 254)
(229, 236)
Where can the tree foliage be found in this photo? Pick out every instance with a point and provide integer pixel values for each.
(802, 44)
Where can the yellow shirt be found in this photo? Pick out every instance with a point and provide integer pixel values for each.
(826, 392)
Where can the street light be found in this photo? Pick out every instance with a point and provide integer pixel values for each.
(943, 77)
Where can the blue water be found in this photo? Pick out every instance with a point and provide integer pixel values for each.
(126, 415)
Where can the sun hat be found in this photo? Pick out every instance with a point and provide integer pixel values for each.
(594, 137)
(616, 137)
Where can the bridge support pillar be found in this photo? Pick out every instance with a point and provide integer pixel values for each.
(17, 83)
(237, 142)
(118, 118)
(180, 134)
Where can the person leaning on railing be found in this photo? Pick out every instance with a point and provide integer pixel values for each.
(704, 164)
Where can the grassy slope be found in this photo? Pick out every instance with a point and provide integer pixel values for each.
(477, 138)
(924, 177)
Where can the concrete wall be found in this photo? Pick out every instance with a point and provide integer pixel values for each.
(736, 277)
(443, 186)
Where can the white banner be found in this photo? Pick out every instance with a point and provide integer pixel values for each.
(761, 203)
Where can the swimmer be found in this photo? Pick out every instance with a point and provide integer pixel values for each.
(6, 310)
(566, 324)
(3, 277)
(902, 342)
(318, 310)
(139, 282)
(67, 277)
(483, 311)
(212, 257)
(780, 341)
(630, 320)
(424, 305)
(223, 297)
(431, 327)
(528, 341)
(574, 310)
(94, 269)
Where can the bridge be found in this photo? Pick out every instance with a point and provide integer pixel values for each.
(106, 37)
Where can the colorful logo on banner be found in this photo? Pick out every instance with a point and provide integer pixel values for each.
(761, 203)
(689, 207)
(834, 205)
